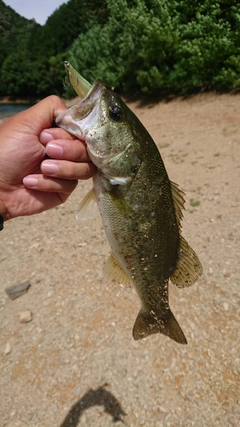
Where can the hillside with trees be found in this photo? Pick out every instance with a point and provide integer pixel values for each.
(150, 46)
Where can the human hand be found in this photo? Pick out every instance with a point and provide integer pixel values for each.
(39, 165)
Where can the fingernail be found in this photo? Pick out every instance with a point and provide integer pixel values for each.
(30, 181)
(49, 168)
(54, 150)
(45, 137)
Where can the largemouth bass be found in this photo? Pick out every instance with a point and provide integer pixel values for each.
(141, 208)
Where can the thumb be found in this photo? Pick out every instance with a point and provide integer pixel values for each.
(42, 114)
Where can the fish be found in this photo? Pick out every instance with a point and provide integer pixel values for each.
(141, 208)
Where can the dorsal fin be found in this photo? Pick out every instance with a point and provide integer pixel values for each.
(88, 208)
(188, 267)
(113, 270)
(178, 199)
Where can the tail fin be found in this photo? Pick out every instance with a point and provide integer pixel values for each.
(148, 323)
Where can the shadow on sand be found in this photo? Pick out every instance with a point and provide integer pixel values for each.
(97, 397)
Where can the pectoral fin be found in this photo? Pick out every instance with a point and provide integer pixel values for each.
(188, 267)
(148, 323)
(88, 208)
(119, 202)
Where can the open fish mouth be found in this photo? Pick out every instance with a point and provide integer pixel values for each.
(82, 87)
(65, 121)
(78, 118)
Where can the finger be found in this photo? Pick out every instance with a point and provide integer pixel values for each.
(75, 150)
(49, 185)
(68, 170)
(50, 134)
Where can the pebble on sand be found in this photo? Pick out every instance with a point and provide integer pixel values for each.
(7, 348)
(25, 316)
(15, 291)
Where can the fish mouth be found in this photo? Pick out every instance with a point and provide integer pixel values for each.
(78, 118)
(64, 120)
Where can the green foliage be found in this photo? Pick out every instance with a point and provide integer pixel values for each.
(151, 46)
(14, 35)
(14, 30)
(32, 56)
(19, 78)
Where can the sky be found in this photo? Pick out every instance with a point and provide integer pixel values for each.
(40, 10)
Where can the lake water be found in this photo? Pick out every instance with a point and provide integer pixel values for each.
(7, 110)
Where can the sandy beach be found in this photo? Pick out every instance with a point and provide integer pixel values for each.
(76, 364)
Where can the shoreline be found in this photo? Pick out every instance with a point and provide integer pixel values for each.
(10, 100)
(9, 106)
(18, 101)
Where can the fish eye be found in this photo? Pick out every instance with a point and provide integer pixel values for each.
(115, 113)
